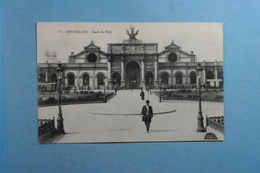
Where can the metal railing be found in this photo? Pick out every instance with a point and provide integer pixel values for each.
(45, 126)
(216, 123)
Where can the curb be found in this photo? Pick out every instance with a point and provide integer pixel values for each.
(158, 113)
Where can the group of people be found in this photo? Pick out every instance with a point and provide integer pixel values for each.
(147, 112)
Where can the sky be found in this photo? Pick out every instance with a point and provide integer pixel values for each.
(205, 39)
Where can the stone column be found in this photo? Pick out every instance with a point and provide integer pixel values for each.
(142, 68)
(184, 79)
(75, 81)
(188, 79)
(47, 72)
(47, 76)
(95, 82)
(172, 83)
(109, 72)
(66, 81)
(91, 82)
(122, 71)
(156, 69)
(216, 74)
(142, 73)
(109, 68)
(203, 76)
(78, 77)
(156, 72)
(174, 80)
(93, 79)
(186, 74)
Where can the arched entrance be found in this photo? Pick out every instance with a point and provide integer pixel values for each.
(193, 78)
(220, 76)
(71, 80)
(116, 79)
(100, 80)
(41, 78)
(85, 80)
(132, 75)
(210, 75)
(149, 80)
(164, 78)
(53, 78)
(178, 78)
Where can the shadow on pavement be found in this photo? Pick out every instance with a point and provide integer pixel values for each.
(162, 130)
(70, 133)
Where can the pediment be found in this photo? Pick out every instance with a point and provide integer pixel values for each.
(92, 46)
(172, 46)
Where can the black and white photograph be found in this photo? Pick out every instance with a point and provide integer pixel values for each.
(113, 82)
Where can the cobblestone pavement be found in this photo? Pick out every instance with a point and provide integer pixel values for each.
(111, 122)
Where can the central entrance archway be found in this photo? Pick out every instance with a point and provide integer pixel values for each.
(132, 75)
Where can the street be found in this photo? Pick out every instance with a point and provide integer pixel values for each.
(120, 120)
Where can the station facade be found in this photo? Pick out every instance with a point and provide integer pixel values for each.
(133, 64)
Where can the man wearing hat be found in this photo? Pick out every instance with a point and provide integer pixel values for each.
(147, 113)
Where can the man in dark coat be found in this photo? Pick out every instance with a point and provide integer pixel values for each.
(147, 112)
(142, 94)
(115, 90)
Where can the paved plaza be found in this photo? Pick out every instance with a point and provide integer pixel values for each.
(120, 120)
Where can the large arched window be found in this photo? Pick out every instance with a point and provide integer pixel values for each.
(53, 78)
(210, 75)
(85, 80)
(164, 78)
(220, 75)
(149, 78)
(101, 79)
(193, 78)
(116, 78)
(133, 75)
(71, 79)
(41, 78)
(178, 78)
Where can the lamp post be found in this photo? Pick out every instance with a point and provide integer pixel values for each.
(115, 85)
(150, 86)
(105, 98)
(200, 126)
(60, 126)
(160, 98)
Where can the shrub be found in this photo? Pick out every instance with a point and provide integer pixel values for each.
(51, 100)
(80, 98)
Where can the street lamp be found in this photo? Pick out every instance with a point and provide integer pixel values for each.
(160, 98)
(150, 85)
(200, 126)
(105, 98)
(115, 85)
(60, 126)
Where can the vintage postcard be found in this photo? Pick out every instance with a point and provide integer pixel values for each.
(130, 82)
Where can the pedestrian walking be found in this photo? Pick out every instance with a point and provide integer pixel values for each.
(115, 90)
(147, 112)
(142, 94)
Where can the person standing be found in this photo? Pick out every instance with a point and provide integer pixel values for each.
(142, 94)
(115, 90)
(147, 112)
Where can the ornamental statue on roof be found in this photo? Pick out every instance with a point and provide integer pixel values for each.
(133, 33)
